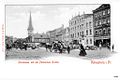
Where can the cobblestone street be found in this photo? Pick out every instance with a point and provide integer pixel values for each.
(40, 53)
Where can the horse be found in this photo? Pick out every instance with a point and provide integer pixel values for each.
(48, 46)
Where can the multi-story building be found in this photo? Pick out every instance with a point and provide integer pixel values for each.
(101, 19)
(78, 29)
(89, 35)
(76, 25)
(51, 35)
(56, 34)
(59, 33)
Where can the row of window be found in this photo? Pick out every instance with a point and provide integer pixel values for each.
(89, 32)
(88, 24)
(76, 21)
(102, 32)
(102, 13)
(77, 27)
(75, 35)
(89, 41)
(40, 40)
(103, 21)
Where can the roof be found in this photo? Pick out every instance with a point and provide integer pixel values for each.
(102, 7)
(88, 15)
(37, 35)
(81, 16)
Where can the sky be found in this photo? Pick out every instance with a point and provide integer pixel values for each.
(44, 17)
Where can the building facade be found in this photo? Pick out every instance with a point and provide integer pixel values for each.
(56, 34)
(40, 38)
(89, 33)
(76, 25)
(102, 30)
(51, 35)
(59, 33)
(81, 29)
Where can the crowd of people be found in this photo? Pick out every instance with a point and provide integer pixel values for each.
(58, 47)
(61, 47)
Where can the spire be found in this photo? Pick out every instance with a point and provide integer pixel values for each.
(30, 27)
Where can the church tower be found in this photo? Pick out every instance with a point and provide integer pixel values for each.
(30, 27)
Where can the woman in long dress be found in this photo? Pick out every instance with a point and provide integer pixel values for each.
(82, 51)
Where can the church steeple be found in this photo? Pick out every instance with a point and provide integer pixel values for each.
(30, 27)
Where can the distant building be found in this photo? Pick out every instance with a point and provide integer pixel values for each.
(59, 33)
(66, 35)
(51, 35)
(102, 30)
(37, 38)
(56, 34)
(9, 40)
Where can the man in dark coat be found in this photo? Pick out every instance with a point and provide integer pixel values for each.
(68, 49)
(82, 51)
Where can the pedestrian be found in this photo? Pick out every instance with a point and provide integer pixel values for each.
(25, 46)
(60, 48)
(82, 51)
(46, 46)
(108, 45)
(100, 45)
(113, 48)
(68, 49)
